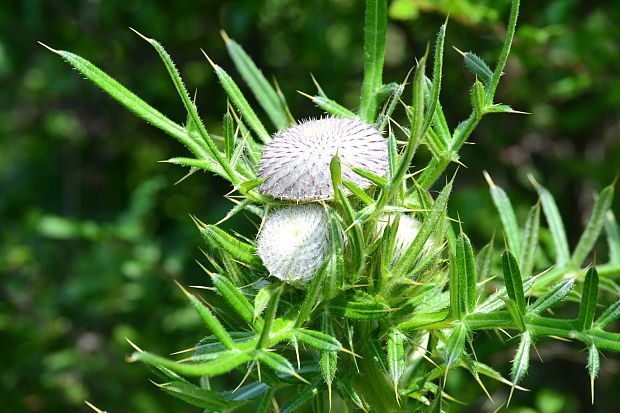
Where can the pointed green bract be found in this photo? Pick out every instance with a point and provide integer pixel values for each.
(609, 315)
(240, 250)
(375, 28)
(594, 226)
(235, 298)
(554, 220)
(466, 274)
(508, 218)
(530, 241)
(552, 296)
(197, 396)
(521, 362)
(613, 237)
(396, 355)
(512, 279)
(456, 344)
(263, 91)
(589, 297)
(478, 67)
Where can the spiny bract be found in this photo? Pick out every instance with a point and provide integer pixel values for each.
(293, 242)
(295, 165)
(407, 231)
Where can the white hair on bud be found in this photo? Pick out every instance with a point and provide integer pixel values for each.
(295, 165)
(293, 242)
(408, 229)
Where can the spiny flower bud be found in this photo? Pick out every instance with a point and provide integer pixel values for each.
(293, 242)
(408, 229)
(295, 165)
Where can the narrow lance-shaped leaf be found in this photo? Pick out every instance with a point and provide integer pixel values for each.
(385, 115)
(375, 28)
(264, 406)
(429, 225)
(329, 359)
(238, 249)
(133, 102)
(262, 299)
(466, 272)
(212, 323)
(261, 88)
(556, 226)
(456, 344)
(277, 363)
(589, 296)
(610, 315)
(396, 356)
(360, 310)
(270, 315)
(330, 106)
(229, 136)
(521, 362)
(513, 281)
(240, 102)
(223, 364)
(551, 296)
(235, 298)
(594, 365)
(530, 241)
(301, 398)
(318, 340)
(593, 227)
(478, 67)
(507, 216)
(197, 396)
(484, 259)
(477, 98)
(190, 106)
(311, 296)
(613, 237)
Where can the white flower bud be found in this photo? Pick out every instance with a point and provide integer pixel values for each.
(408, 229)
(293, 242)
(295, 165)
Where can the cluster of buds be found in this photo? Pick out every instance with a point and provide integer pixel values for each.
(294, 240)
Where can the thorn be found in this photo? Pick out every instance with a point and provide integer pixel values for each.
(329, 395)
(484, 389)
(344, 350)
(532, 180)
(187, 293)
(209, 59)
(89, 404)
(592, 388)
(297, 376)
(537, 352)
(53, 51)
(306, 95)
(561, 338)
(141, 35)
(204, 268)
(187, 350)
(165, 161)
(488, 179)
(224, 36)
(512, 389)
(245, 377)
(459, 51)
(132, 344)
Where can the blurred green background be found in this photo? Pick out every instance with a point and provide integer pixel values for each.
(93, 230)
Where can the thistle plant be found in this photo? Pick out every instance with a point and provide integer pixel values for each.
(359, 292)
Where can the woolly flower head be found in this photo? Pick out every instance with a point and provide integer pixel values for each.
(293, 242)
(408, 229)
(295, 165)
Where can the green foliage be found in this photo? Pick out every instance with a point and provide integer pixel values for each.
(393, 313)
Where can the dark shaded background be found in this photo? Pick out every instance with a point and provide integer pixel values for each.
(92, 229)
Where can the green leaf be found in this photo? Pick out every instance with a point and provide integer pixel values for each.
(385, 115)
(512, 279)
(477, 96)
(556, 226)
(496, 300)
(270, 315)
(225, 362)
(262, 299)
(205, 164)
(610, 314)
(396, 355)
(589, 296)
(190, 106)
(319, 340)
(277, 362)
(197, 396)
(358, 192)
(521, 362)
(301, 398)
(360, 310)
(210, 321)
(594, 366)
(484, 259)
(335, 171)
(551, 296)
(507, 216)
(613, 237)
(466, 274)
(241, 251)
(478, 67)
(428, 227)
(593, 227)
(375, 179)
(132, 102)
(229, 135)
(311, 295)
(530, 240)
(331, 106)
(240, 102)
(336, 269)
(375, 28)
(263, 91)
(456, 344)
(235, 298)
(329, 359)
(421, 320)
(266, 401)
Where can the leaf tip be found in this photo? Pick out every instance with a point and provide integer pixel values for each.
(209, 59)
(58, 52)
(224, 36)
(141, 35)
